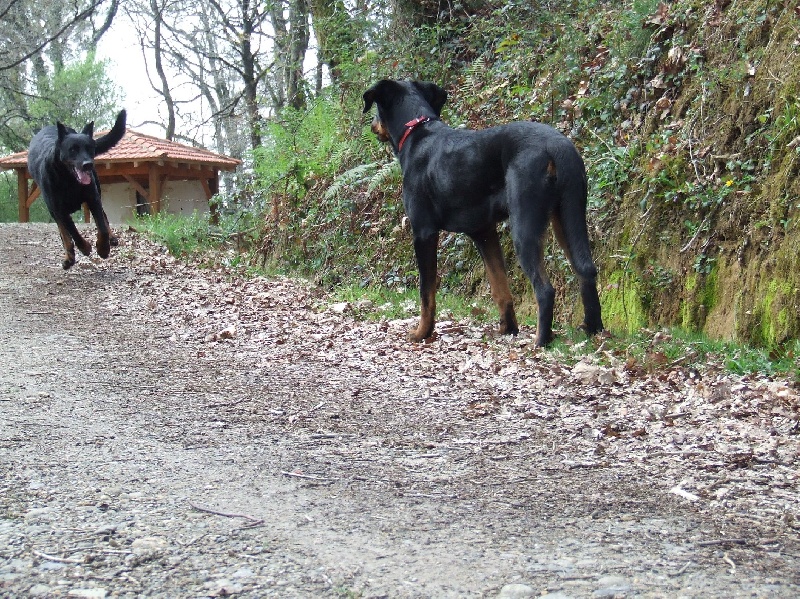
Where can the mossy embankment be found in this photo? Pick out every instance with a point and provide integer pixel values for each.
(687, 114)
(710, 225)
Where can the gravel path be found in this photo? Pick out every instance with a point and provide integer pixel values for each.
(173, 431)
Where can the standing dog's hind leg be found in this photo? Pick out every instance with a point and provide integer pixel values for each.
(575, 243)
(530, 253)
(488, 244)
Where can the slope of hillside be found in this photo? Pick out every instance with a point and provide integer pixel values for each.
(688, 115)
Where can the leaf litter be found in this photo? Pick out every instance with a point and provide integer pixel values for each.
(559, 467)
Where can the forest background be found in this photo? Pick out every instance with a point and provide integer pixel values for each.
(687, 114)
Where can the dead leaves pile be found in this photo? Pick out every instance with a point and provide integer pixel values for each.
(726, 442)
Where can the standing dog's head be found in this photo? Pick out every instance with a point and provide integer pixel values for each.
(400, 101)
(76, 151)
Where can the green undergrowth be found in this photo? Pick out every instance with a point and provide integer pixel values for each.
(193, 236)
(9, 204)
(641, 349)
(687, 116)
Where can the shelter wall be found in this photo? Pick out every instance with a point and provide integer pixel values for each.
(179, 197)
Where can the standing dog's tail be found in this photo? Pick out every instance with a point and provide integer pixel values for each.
(567, 172)
(112, 138)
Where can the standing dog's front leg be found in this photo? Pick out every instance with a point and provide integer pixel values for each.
(425, 250)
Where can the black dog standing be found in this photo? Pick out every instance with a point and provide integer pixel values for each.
(467, 181)
(61, 161)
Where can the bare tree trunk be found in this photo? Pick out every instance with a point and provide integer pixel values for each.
(291, 45)
(298, 18)
(249, 75)
(335, 33)
(165, 88)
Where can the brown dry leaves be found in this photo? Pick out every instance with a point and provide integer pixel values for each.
(728, 443)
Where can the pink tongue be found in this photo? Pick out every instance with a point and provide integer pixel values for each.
(84, 177)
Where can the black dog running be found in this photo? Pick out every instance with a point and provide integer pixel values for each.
(61, 162)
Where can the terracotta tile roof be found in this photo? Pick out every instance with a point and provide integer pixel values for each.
(138, 147)
(14, 160)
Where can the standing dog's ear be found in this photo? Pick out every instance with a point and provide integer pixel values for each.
(377, 94)
(433, 94)
(88, 129)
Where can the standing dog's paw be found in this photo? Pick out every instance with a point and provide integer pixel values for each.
(421, 334)
(544, 340)
(509, 329)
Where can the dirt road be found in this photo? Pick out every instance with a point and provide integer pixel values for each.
(174, 431)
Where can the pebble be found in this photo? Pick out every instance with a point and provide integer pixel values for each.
(611, 586)
(516, 591)
(88, 593)
(39, 590)
(223, 587)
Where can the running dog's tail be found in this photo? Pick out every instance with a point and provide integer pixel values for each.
(112, 138)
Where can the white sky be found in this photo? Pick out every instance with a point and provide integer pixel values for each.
(120, 45)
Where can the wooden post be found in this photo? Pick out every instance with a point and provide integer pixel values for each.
(213, 189)
(22, 196)
(155, 190)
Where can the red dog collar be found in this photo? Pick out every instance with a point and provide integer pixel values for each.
(410, 126)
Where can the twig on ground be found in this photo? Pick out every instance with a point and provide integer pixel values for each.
(227, 404)
(721, 542)
(190, 541)
(683, 568)
(60, 560)
(254, 521)
(729, 561)
(307, 476)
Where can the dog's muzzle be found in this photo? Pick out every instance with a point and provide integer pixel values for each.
(379, 129)
(83, 174)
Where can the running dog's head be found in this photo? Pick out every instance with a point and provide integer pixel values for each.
(76, 151)
(400, 101)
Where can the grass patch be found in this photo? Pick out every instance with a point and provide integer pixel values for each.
(403, 302)
(641, 349)
(183, 235)
(651, 351)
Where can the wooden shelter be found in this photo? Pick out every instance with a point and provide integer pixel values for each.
(144, 162)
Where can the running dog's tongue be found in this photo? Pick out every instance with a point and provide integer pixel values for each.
(83, 177)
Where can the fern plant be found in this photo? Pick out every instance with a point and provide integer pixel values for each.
(373, 174)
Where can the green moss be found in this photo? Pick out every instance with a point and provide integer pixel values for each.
(688, 306)
(621, 303)
(776, 315)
